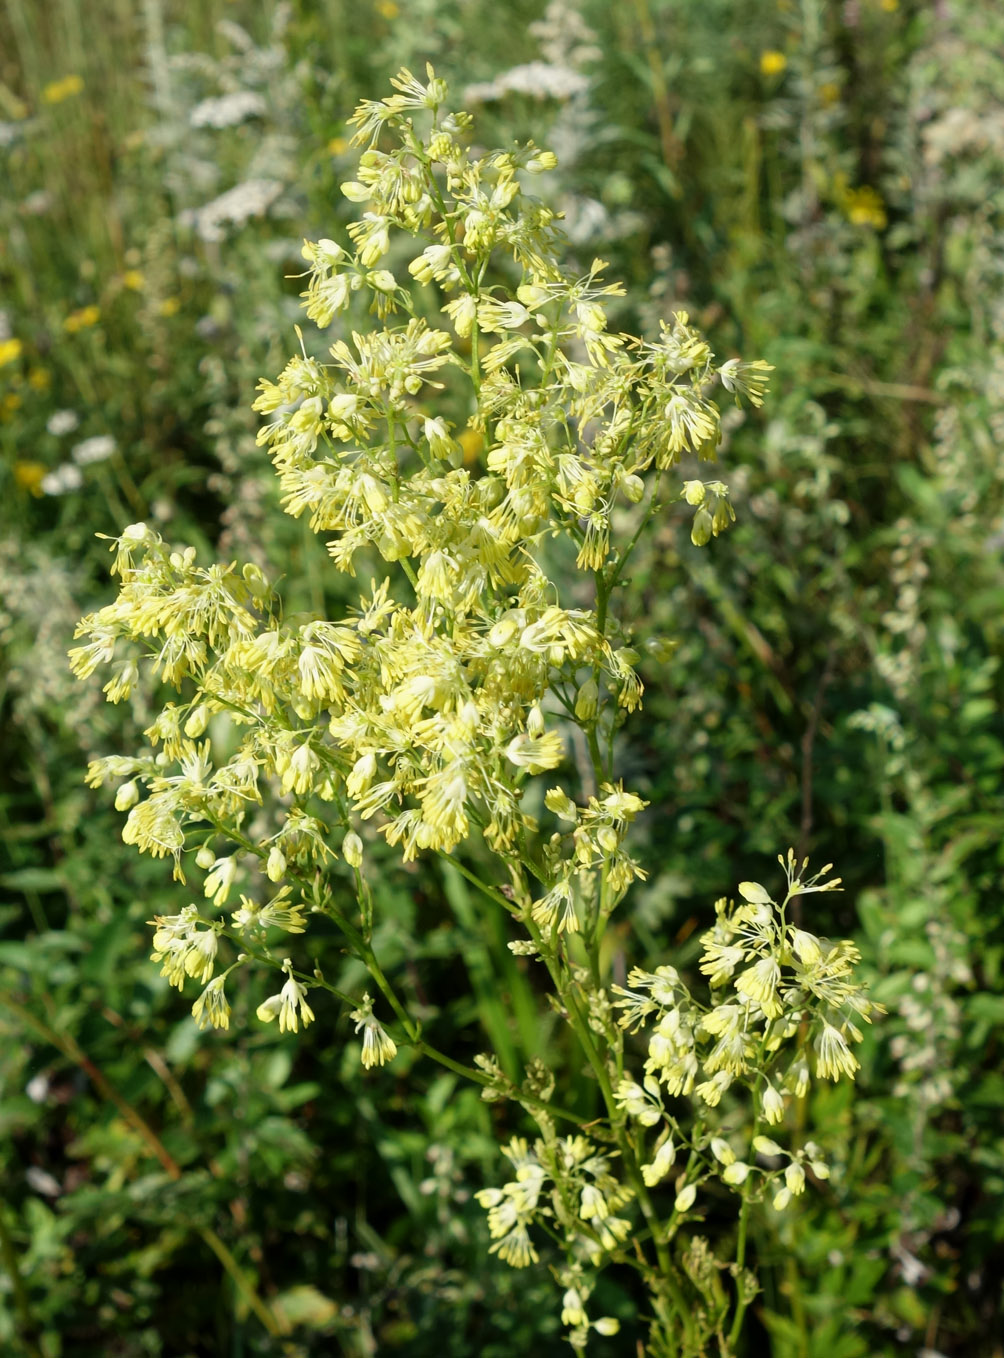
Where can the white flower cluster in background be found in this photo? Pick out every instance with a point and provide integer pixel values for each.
(535, 79)
(252, 198)
(228, 110)
(68, 477)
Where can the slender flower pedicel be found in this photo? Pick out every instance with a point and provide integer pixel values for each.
(483, 417)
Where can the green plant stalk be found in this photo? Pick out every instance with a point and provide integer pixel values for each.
(580, 1024)
(580, 1027)
(413, 1039)
(26, 1321)
(742, 1301)
(668, 140)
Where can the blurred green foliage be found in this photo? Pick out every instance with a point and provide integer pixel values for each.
(818, 183)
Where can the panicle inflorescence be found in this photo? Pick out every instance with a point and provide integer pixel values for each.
(486, 408)
(784, 1004)
(426, 708)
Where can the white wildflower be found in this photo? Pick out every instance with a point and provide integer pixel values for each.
(63, 480)
(62, 422)
(96, 449)
(228, 110)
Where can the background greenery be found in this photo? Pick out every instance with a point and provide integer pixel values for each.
(818, 183)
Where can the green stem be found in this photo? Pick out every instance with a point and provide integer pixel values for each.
(26, 1321)
(491, 892)
(624, 557)
(244, 1287)
(469, 1073)
(742, 1300)
(580, 1027)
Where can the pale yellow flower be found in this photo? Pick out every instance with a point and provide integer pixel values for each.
(82, 319)
(10, 351)
(58, 90)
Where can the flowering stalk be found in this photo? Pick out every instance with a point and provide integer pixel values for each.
(430, 707)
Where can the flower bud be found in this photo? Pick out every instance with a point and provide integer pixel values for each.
(542, 161)
(381, 280)
(606, 838)
(572, 1311)
(773, 1105)
(361, 775)
(205, 858)
(197, 722)
(583, 847)
(343, 406)
(765, 1146)
(685, 1198)
(533, 295)
(438, 436)
(127, 796)
(633, 488)
(558, 801)
(700, 532)
(722, 1151)
(256, 581)
(276, 864)
(587, 700)
(694, 492)
(326, 252)
(352, 849)
(794, 1178)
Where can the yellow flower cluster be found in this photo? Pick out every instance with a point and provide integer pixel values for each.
(565, 1180)
(862, 206)
(59, 90)
(82, 319)
(427, 707)
(10, 351)
(793, 1003)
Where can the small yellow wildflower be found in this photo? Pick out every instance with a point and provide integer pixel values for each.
(387, 9)
(337, 146)
(28, 476)
(170, 306)
(10, 351)
(772, 62)
(82, 319)
(829, 93)
(9, 404)
(58, 90)
(40, 379)
(133, 280)
(890, 6)
(471, 441)
(864, 207)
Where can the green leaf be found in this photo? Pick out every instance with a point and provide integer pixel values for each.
(304, 1305)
